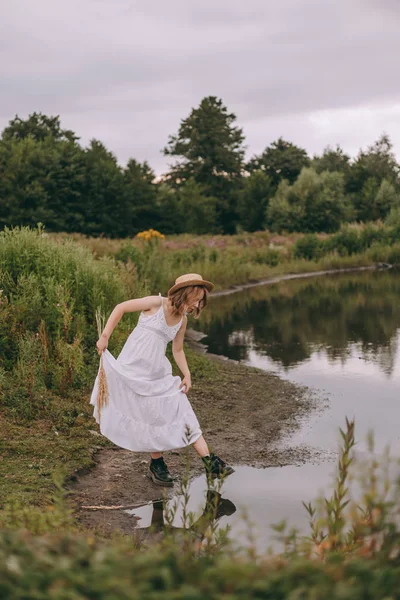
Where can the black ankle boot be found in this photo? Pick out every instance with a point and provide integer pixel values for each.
(159, 472)
(215, 466)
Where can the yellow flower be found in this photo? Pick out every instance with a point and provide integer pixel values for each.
(150, 234)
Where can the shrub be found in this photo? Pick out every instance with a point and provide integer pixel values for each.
(315, 202)
(382, 253)
(308, 247)
(269, 257)
(393, 218)
(372, 233)
(128, 252)
(213, 256)
(42, 276)
(346, 242)
(50, 292)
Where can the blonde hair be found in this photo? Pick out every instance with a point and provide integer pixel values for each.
(184, 296)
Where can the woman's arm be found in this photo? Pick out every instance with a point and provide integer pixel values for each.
(180, 358)
(146, 303)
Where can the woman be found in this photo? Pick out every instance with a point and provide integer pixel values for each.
(148, 409)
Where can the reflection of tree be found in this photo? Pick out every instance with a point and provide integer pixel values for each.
(289, 321)
(384, 356)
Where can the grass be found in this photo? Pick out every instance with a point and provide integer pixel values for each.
(238, 259)
(31, 453)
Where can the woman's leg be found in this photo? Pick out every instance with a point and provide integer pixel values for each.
(159, 470)
(201, 447)
(215, 467)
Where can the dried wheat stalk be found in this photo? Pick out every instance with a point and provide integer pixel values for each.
(102, 394)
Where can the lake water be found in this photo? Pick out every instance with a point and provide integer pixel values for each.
(338, 334)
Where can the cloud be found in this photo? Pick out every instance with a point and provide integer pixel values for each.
(128, 71)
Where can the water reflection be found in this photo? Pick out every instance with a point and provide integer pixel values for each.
(291, 321)
(338, 333)
(160, 520)
(265, 496)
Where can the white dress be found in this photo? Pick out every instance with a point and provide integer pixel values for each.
(146, 411)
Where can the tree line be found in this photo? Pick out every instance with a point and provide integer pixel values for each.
(47, 176)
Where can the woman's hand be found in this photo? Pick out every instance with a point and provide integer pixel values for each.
(186, 383)
(102, 343)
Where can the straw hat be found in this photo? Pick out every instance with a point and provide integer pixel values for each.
(190, 279)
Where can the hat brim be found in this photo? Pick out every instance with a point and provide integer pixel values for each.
(207, 284)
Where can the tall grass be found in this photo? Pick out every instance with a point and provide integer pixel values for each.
(238, 259)
(49, 295)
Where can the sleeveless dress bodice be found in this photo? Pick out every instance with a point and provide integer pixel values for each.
(146, 410)
(157, 323)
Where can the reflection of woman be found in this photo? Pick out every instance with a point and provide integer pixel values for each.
(147, 408)
(215, 508)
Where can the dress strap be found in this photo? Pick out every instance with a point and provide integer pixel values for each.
(162, 299)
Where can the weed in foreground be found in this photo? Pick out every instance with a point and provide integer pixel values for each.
(346, 524)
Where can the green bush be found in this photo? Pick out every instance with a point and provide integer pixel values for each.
(346, 242)
(385, 254)
(393, 218)
(269, 257)
(68, 567)
(49, 295)
(128, 252)
(372, 234)
(308, 247)
(214, 255)
(44, 280)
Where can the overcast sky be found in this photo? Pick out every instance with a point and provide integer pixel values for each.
(317, 72)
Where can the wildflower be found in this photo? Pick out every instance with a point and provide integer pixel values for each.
(150, 234)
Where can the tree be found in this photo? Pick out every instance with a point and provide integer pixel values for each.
(41, 181)
(42, 173)
(198, 211)
(332, 160)
(370, 169)
(330, 207)
(140, 197)
(315, 202)
(253, 201)
(281, 160)
(387, 197)
(38, 127)
(281, 214)
(23, 197)
(105, 207)
(210, 151)
(170, 219)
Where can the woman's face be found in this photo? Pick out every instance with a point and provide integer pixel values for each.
(194, 301)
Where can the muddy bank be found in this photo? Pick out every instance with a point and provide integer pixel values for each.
(243, 412)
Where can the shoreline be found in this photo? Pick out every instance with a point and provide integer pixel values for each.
(269, 281)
